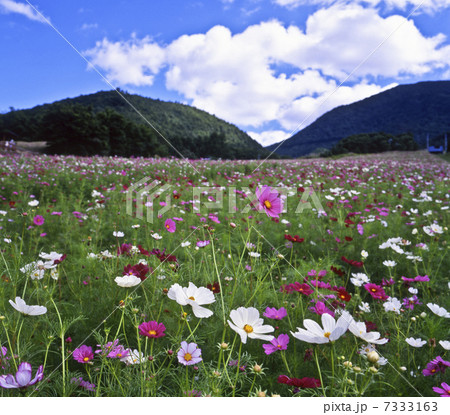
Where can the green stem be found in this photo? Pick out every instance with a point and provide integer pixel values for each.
(320, 373)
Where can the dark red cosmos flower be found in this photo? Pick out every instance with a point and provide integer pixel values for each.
(302, 288)
(143, 251)
(302, 383)
(353, 263)
(215, 288)
(348, 238)
(337, 271)
(295, 238)
(124, 249)
(58, 261)
(370, 326)
(343, 294)
(308, 355)
(139, 270)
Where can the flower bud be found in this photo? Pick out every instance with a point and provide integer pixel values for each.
(257, 369)
(373, 357)
(357, 369)
(373, 369)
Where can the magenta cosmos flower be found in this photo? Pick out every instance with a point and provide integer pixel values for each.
(376, 291)
(83, 354)
(170, 225)
(444, 391)
(38, 220)
(275, 314)
(189, 354)
(277, 343)
(22, 378)
(269, 201)
(152, 329)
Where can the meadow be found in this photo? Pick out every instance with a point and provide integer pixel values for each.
(312, 277)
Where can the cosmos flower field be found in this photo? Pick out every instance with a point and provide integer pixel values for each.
(314, 277)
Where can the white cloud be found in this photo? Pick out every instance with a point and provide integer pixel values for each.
(10, 6)
(134, 62)
(425, 6)
(269, 137)
(88, 26)
(270, 72)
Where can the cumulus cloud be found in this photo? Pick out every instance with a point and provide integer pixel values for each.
(134, 62)
(10, 6)
(270, 72)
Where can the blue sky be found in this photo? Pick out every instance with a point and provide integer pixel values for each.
(270, 67)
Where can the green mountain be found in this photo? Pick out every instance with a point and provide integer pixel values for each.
(104, 123)
(420, 109)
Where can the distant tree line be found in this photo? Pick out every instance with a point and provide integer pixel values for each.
(80, 130)
(373, 143)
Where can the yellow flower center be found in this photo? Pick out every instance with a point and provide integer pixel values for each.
(279, 346)
(267, 204)
(187, 357)
(248, 328)
(86, 359)
(192, 298)
(327, 334)
(119, 355)
(167, 226)
(152, 332)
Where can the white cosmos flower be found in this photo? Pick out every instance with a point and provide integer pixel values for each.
(247, 323)
(364, 307)
(31, 310)
(52, 256)
(359, 329)
(54, 273)
(127, 281)
(254, 254)
(118, 234)
(392, 304)
(364, 254)
(359, 279)
(439, 311)
(185, 244)
(389, 263)
(156, 236)
(133, 357)
(193, 296)
(445, 344)
(33, 203)
(331, 330)
(415, 342)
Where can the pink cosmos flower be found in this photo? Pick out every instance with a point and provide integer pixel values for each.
(277, 343)
(202, 244)
(275, 314)
(435, 366)
(444, 391)
(83, 354)
(170, 225)
(22, 378)
(189, 354)
(320, 308)
(269, 201)
(38, 220)
(152, 329)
